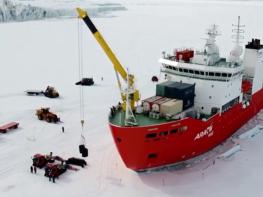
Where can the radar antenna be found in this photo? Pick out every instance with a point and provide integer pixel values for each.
(212, 34)
(211, 50)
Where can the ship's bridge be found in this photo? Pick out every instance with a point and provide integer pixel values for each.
(218, 83)
(220, 71)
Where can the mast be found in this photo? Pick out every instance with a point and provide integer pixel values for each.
(237, 50)
(211, 49)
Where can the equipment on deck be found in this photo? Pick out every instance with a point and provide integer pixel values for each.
(129, 95)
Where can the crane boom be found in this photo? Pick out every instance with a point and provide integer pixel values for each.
(117, 65)
(134, 95)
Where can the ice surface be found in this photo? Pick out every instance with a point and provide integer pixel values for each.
(39, 53)
(230, 152)
(252, 132)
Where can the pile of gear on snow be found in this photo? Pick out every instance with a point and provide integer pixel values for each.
(54, 166)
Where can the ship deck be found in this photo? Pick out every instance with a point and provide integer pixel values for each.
(143, 120)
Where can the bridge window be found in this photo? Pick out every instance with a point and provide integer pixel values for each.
(197, 72)
(202, 73)
(224, 75)
(218, 74)
(180, 69)
(191, 71)
(211, 74)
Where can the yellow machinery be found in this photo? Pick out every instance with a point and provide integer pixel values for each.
(130, 95)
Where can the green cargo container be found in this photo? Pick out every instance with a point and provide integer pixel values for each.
(160, 88)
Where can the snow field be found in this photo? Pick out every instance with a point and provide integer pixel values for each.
(41, 53)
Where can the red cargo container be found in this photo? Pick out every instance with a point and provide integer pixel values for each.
(147, 103)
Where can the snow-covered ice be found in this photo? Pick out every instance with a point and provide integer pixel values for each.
(40, 53)
(252, 132)
(230, 152)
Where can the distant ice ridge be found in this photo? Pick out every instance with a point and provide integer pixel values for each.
(18, 12)
(11, 11)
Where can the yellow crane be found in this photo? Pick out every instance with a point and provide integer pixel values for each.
(130, 95)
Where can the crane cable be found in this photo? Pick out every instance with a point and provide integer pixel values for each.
(81, 92)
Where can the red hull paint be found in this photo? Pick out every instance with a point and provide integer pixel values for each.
(135, 148)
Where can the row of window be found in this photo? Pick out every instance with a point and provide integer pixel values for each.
(197, 72)
(165, 133)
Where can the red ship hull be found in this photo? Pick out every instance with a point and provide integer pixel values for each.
(139, 152)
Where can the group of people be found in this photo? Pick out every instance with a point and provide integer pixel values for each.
(48, 170)
(114, 109)
(33, 169)
(48, 173)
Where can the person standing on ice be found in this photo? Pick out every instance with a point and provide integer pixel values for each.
(53, 178)
(31, 169)
(35, 169)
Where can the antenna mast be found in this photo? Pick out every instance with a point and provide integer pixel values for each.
(237, 51)
(238, 31)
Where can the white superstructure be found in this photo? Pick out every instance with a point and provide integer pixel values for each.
(218, 82)
(214, 86)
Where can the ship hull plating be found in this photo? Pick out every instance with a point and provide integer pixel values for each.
(176, 141)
